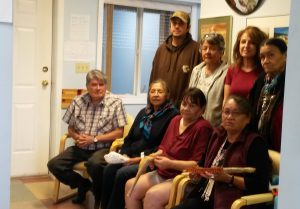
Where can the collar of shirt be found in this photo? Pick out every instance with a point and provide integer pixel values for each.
(87, 99)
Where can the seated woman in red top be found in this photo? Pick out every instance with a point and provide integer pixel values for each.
(246, 68)
(184, 143)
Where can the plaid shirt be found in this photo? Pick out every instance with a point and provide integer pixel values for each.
(93, 120)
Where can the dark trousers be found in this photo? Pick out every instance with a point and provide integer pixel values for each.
(115, 177)
(61, 167)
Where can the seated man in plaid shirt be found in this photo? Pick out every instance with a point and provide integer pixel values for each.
(95, 119)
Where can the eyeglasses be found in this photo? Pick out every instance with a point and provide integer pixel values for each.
(233, 113)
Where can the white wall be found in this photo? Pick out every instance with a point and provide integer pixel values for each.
(289, 189)
(6, 99)
(217, 8)
(6, 11)
(5, 111)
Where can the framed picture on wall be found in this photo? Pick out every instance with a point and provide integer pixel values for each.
(221, 25)
(281, 32)
(244, 7)
(273, 26)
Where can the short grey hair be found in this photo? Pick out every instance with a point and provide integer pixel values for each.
(214, 39)
(95, 74)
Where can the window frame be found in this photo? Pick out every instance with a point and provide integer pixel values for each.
(190, 6)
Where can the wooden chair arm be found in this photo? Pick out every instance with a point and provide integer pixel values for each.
(275, 157)
(252, 200)
(174, 189)
(62, 144)
(182, 186)
(116, 145)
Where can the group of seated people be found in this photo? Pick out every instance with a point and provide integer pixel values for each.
(215, 126)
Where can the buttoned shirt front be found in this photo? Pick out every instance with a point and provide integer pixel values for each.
(95, 119)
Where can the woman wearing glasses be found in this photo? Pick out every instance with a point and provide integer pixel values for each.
(209, 75)
(231, 145)
(268, 92)
(246, 68)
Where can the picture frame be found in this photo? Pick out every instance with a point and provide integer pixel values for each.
(273, 26)
(221, 25)
(244, 7)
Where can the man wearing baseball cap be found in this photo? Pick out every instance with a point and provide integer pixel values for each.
(181, 15)
(176, 57)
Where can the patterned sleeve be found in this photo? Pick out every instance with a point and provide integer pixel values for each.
(69, 116)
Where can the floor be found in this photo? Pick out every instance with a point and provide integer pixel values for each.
(36, 193)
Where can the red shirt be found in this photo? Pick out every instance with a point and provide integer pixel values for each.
(240, 81)
(190, 145)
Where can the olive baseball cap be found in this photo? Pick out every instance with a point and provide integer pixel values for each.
(181, 15)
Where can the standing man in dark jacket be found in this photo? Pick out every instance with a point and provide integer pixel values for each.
(176, 57)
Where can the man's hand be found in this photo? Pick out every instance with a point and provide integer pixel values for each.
(83, 140)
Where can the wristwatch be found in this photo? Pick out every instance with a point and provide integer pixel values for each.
(95, 139)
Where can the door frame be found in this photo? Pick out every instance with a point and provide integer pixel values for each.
(57, 68)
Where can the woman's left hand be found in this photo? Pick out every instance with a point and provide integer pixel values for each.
(162, 162)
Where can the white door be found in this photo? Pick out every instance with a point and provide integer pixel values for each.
(31, 86)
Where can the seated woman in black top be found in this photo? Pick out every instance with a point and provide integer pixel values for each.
(145, 135)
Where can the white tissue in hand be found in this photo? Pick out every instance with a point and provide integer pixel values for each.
(115, 158)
